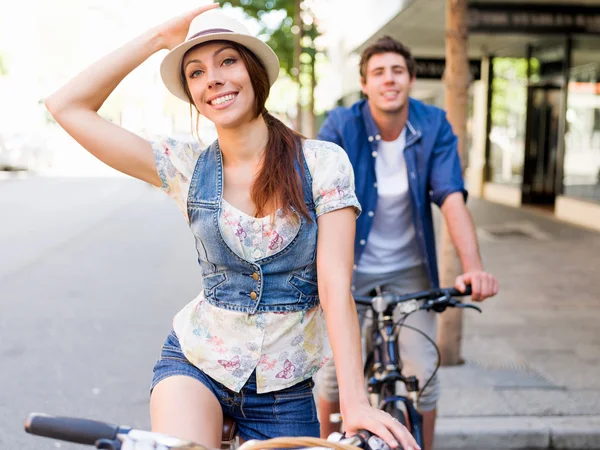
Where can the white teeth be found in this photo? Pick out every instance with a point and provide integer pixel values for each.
(221, 100)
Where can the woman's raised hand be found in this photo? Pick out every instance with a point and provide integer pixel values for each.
(173, 32)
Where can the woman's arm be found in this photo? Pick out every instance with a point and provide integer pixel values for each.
(75, 106)
(334, 267)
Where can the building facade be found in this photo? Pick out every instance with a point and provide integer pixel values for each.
(534, 120)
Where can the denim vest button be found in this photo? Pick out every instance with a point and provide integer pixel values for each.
(370, 138)
(374, 154)
(363, 242)
(255, 276)
(253, 295)
(371, 213)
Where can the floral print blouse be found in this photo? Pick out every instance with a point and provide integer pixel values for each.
(283, 348)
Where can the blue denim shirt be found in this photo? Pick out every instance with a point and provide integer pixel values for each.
(432, 163)
(285, 281)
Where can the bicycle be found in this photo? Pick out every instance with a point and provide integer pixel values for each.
(106, 436)
(383, 365)
(383, 368)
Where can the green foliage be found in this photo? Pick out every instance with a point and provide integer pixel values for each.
(281, 41)
(510, 89)
(280, 38)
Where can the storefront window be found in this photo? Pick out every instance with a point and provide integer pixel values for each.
(582, 138)
(507, 133)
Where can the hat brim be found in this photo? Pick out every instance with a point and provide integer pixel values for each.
(170, 68)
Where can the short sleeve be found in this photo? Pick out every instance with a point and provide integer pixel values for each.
(175, 162)
(446, 173)
(332, 177)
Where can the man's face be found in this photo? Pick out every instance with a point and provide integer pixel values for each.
(387, 82)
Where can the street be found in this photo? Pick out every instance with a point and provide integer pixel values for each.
(92, 270)
(91, 273)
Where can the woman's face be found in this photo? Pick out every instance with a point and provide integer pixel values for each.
(219, 84)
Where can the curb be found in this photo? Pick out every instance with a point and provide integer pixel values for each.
(526, 432)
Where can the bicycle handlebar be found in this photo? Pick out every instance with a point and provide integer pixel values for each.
(435, 299)
(104, 435)
(79, 431)
(430, 294)
(363, 439)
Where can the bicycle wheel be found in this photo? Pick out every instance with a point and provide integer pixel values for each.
(396, 413)
(391, 408)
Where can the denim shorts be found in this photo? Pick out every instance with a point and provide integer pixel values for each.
(288, 412)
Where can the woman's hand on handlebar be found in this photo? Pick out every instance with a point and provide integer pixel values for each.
(364, 416)
(483, 284)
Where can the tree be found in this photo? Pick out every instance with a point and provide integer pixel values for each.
(292, 40)
(456, 81)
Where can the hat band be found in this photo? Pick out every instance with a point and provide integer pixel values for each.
(210, 31)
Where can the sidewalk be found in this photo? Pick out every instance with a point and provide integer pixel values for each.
(531, 377)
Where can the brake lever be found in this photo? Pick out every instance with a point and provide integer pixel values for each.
(463, 305)
(450, 302)
(437, 307)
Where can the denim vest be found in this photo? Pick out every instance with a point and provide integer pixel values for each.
(285, 281)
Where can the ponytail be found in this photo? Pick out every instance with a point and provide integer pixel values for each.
(278, 178)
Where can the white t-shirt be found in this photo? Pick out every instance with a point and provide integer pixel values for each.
(391, 245)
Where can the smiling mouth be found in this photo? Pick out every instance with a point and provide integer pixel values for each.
(391, 95)
(223, 100)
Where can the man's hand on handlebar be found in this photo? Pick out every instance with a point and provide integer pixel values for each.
(483, 284)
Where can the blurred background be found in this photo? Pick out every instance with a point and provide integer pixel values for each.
(93, 265)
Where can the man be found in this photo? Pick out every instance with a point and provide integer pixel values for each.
(405, 157)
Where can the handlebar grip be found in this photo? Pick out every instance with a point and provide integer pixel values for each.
(456, 293)
(372, 441)
(79, 431)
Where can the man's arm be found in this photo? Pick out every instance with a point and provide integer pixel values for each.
(448, 192)
(329, 131)
(464, 237)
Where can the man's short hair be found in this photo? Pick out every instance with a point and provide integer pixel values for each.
(386, 44)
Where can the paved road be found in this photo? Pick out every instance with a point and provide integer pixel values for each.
(91, 273)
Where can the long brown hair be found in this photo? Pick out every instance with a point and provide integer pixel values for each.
(278, 180)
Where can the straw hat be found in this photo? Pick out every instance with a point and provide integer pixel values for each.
(209, 26)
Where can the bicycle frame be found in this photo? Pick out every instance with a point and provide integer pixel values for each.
(387, 370)
(384, 360)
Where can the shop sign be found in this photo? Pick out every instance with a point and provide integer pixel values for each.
(433, 68)
(535, 18)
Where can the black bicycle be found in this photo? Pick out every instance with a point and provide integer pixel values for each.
(383, 364)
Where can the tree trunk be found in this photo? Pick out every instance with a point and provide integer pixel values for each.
(297, 63)
(456, 81)
(311, 126)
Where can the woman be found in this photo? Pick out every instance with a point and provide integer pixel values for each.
(269, 211)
